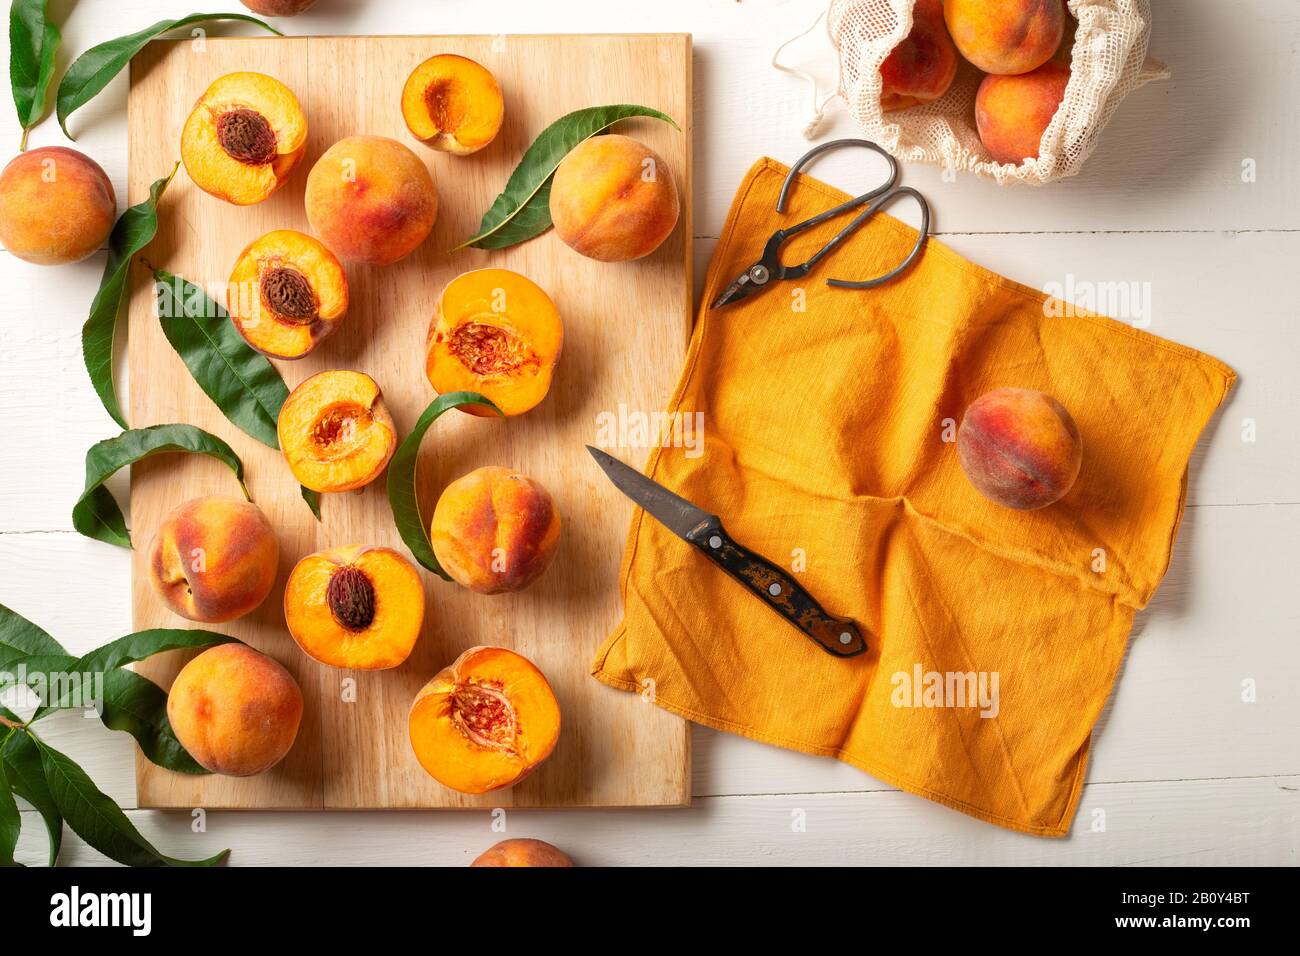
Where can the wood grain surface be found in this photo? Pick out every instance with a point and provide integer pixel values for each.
(626, 327)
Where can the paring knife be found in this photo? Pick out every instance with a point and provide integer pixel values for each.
(839, 636)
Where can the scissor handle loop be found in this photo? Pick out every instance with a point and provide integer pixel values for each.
(816, 151)
(924, 231)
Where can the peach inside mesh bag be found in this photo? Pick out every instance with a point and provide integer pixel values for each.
(827, 448)
(1106, 46)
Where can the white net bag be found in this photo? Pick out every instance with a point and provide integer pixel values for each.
(1108, 61)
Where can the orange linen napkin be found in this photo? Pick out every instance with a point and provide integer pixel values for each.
(829, 449)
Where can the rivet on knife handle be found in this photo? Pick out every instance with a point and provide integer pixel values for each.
(836, 635)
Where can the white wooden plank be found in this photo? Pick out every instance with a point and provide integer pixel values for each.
(1220, 822)
(1171, 158)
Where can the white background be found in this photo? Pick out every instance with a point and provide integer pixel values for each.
(1183, 771)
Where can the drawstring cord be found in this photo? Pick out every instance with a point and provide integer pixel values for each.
(819, 106)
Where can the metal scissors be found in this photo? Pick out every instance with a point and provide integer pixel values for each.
(761, 274)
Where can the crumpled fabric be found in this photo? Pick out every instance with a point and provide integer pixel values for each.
(829, 423)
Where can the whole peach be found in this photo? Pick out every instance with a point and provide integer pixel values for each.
(214, 559)
(1019, 448)
(56, 206)
(1013, 112)
(613, 199)
(278, 8)
(922, 67)
(234, 710)
(522, 853)
(1006, 37)
(370, 199)
(494, 530)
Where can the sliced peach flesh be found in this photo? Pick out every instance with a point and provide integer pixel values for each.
(485, 722)
(243, 138)
(335, 431)
(497, 333)
(287, 293)
(453, 103)
(356, 607)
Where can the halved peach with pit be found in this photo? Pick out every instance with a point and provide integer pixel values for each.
(355, 607)
(244, 137)
(335, 431)
(287, 293)
(485, 722)
(453, 103)
(497, 333)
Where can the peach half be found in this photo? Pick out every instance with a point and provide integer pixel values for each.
(245, 135)
(497, 333)
(335, 431)
(357, 607)
(453, 103)
(287, 293)
(484, 722)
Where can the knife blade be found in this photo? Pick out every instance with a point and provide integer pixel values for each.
(839, 636)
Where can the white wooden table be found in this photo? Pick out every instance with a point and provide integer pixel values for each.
(1184, 771)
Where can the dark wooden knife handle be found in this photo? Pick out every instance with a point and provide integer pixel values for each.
(839, 636)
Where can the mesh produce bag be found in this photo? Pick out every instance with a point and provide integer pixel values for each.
(1108, 61)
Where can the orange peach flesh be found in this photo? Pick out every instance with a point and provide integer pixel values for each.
(335, 431)
(484, 722)
(356, 607)
(497, 333)
(453, 103)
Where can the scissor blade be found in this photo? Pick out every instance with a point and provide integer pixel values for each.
(672, 511)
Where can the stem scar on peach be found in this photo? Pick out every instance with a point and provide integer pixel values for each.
(286, 294)
(1020, 448)
(214, 559)
(453, 103)
(371, 200)
(335, 431)
(497, 333)
(494, 530)
(613, 199)
(235, 711)
(56, 206)
(245, 135)
(484, 722)
(357, 607)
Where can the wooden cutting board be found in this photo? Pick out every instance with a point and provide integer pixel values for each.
(626, 329)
